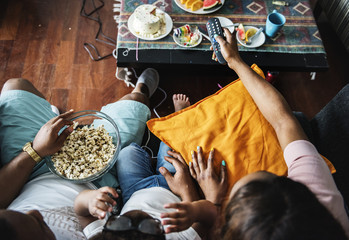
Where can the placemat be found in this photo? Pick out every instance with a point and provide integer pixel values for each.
(299, 35)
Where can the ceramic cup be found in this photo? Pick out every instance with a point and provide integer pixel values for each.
(275, 21)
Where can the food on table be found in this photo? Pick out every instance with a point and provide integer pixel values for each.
(187, 35)
(198, 4)
(86, 151)
(211, 4)
(249, 33)
(148, 22)
(193, 5)
(241, 31)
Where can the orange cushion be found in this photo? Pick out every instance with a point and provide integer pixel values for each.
(230, 122)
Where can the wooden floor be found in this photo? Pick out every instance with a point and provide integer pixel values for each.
(42, 40)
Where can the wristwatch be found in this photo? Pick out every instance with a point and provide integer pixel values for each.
(28, 148)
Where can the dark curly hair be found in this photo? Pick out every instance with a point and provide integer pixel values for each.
(278, 209)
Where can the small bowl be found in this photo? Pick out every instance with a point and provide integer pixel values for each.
(88, 117)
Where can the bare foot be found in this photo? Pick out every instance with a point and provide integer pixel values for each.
(180, 101)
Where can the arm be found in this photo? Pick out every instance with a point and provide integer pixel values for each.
(269, 101)
(17, 171)
(90, 205)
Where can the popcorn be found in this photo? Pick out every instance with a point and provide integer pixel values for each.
(86, 151)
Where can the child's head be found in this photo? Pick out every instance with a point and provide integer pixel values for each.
(265, 206)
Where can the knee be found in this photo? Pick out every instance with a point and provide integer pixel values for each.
(15, 83)
(135, 96)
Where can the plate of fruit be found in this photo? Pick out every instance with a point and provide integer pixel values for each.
(200, 6)
(250, 36)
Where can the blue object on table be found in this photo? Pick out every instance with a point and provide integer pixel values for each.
(275, 21)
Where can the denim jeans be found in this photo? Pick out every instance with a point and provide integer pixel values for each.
(135, 171)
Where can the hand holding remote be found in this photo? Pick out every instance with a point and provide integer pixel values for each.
(214, 27)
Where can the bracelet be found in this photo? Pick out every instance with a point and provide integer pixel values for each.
(34, 155)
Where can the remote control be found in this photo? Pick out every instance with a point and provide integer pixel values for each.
(213, 26)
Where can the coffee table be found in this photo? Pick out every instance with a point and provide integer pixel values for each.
(298, 47)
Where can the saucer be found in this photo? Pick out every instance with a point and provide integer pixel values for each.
(256, 42)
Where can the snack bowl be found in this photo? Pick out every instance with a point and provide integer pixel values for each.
(87, 119)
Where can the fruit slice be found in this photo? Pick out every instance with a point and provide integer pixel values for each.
(250, 32)
(189, 3)
(197, 5)
(241, 31)
(183, 1)
(211, 4)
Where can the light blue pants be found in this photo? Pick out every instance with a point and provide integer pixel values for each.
(135, 171)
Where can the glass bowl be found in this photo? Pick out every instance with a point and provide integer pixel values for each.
(86, 118)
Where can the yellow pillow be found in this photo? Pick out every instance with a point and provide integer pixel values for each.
(230, 122)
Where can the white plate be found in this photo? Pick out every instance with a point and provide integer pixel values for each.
(256, 42)
(191, 46)
(168, 22)
(200, 11)
(226, 22)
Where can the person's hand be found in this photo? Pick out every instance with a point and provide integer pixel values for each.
(47, 141)
(97, 200)
(181, 183)
(179, 220)
(214, 187)
(229, 48)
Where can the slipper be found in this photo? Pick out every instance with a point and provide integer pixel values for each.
(150, 77)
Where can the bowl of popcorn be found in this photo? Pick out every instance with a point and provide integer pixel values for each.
(89, 151)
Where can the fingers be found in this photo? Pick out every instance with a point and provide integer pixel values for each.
(228, 35)
(192, 171)
(223, 172)
(167, 175)
(200, 159)
(63, 115)
(175, 155)
(195, 165)
(210, 159)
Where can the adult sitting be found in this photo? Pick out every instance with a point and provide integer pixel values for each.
(25, 180)
(261, 205)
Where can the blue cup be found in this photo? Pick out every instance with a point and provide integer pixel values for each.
(275, 21)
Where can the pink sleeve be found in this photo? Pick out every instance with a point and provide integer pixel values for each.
(306, 166)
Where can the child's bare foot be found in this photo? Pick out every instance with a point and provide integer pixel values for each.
(180, 101)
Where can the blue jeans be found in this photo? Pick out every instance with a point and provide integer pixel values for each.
(135, 172)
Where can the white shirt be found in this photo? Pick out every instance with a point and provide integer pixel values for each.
(151, 201)
(54, 198)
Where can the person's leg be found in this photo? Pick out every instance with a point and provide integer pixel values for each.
(23, 111)
(130, 114)
(134, 171)
(20, 84)
(180, 101)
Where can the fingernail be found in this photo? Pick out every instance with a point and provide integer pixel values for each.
(212, 149)
(216, 35)
(192, 152)
(161, 170)
(198, 148)
(189, 164)
(223, 163)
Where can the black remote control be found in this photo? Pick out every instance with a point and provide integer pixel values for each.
(214, 27)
